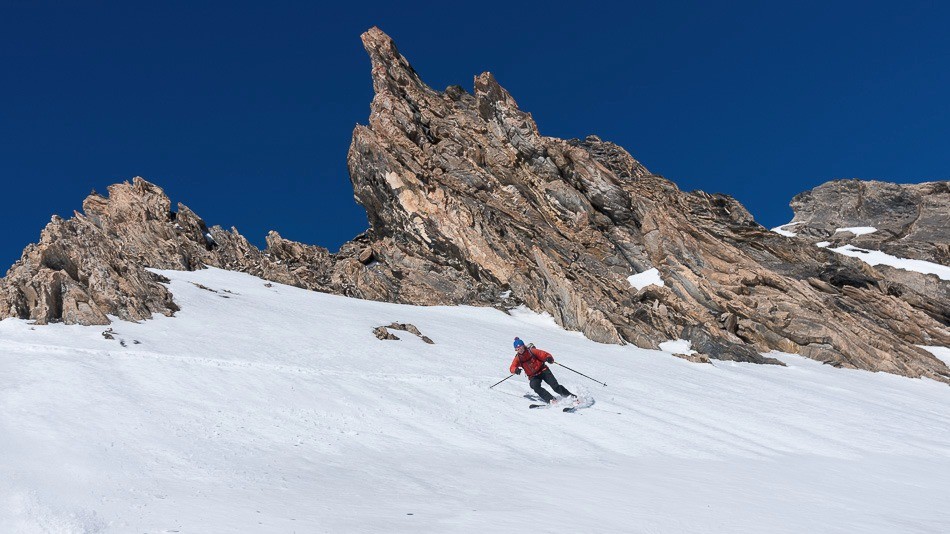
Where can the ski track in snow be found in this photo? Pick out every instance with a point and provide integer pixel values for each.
(277, 410)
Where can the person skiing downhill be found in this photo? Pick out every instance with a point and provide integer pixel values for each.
(533, 361)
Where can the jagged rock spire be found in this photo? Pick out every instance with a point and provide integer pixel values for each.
(391, 71)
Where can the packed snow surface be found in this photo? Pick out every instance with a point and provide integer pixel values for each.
(876, 257)
(857, 230)
(650, 277)
(274, 409)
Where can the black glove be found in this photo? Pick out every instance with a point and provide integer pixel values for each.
(518, 371)
(550, 359)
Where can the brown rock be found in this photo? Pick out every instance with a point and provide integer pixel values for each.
(381, 333)
(366, 256)
(467, 180)
(406, 327)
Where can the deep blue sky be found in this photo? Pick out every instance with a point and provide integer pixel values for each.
(244, 112)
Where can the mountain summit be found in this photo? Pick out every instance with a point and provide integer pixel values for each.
(469, 203)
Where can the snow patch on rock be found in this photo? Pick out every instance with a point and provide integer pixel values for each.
(650, 277)
(876, 257)
(857, 230)
(781, 229)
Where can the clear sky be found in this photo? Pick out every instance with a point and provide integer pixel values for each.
(244, 110)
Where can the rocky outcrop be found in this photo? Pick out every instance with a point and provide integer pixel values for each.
(466, 180)
(903, 220)
(91, 266)
(911, 220)
(469, 204)
(382, 332)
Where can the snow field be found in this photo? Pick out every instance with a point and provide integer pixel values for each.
(277, 410)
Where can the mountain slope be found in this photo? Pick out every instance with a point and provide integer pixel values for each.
(275, 409)
(469, 203)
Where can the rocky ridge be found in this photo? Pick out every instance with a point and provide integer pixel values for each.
(469, 204)
(911, 220)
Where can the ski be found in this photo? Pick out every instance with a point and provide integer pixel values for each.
(580, 404)
(532, 406)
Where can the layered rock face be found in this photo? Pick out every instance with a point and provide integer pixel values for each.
(466, 180)
(469, 204)
(904, 220)
(911, 220)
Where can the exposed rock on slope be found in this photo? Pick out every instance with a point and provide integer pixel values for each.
(904, 220)
(469, 203)
(467, 180)
(911, 220)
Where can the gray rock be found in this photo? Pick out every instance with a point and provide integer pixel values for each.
(912, 220)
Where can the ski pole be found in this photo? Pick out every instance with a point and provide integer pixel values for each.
(500, 381)
(582, 374)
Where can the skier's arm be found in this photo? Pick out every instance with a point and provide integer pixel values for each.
(543, 356)
(514, 365)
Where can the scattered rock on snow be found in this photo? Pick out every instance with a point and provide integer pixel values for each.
(201, 286)
(695, 357)
(406, 327)
(381, 333)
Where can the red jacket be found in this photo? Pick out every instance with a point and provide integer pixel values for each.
(532, 360)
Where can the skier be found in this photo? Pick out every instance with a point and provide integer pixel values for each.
(533, 361)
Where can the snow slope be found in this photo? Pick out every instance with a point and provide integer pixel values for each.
(277, 410)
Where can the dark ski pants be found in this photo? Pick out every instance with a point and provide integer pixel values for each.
(548, 377)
